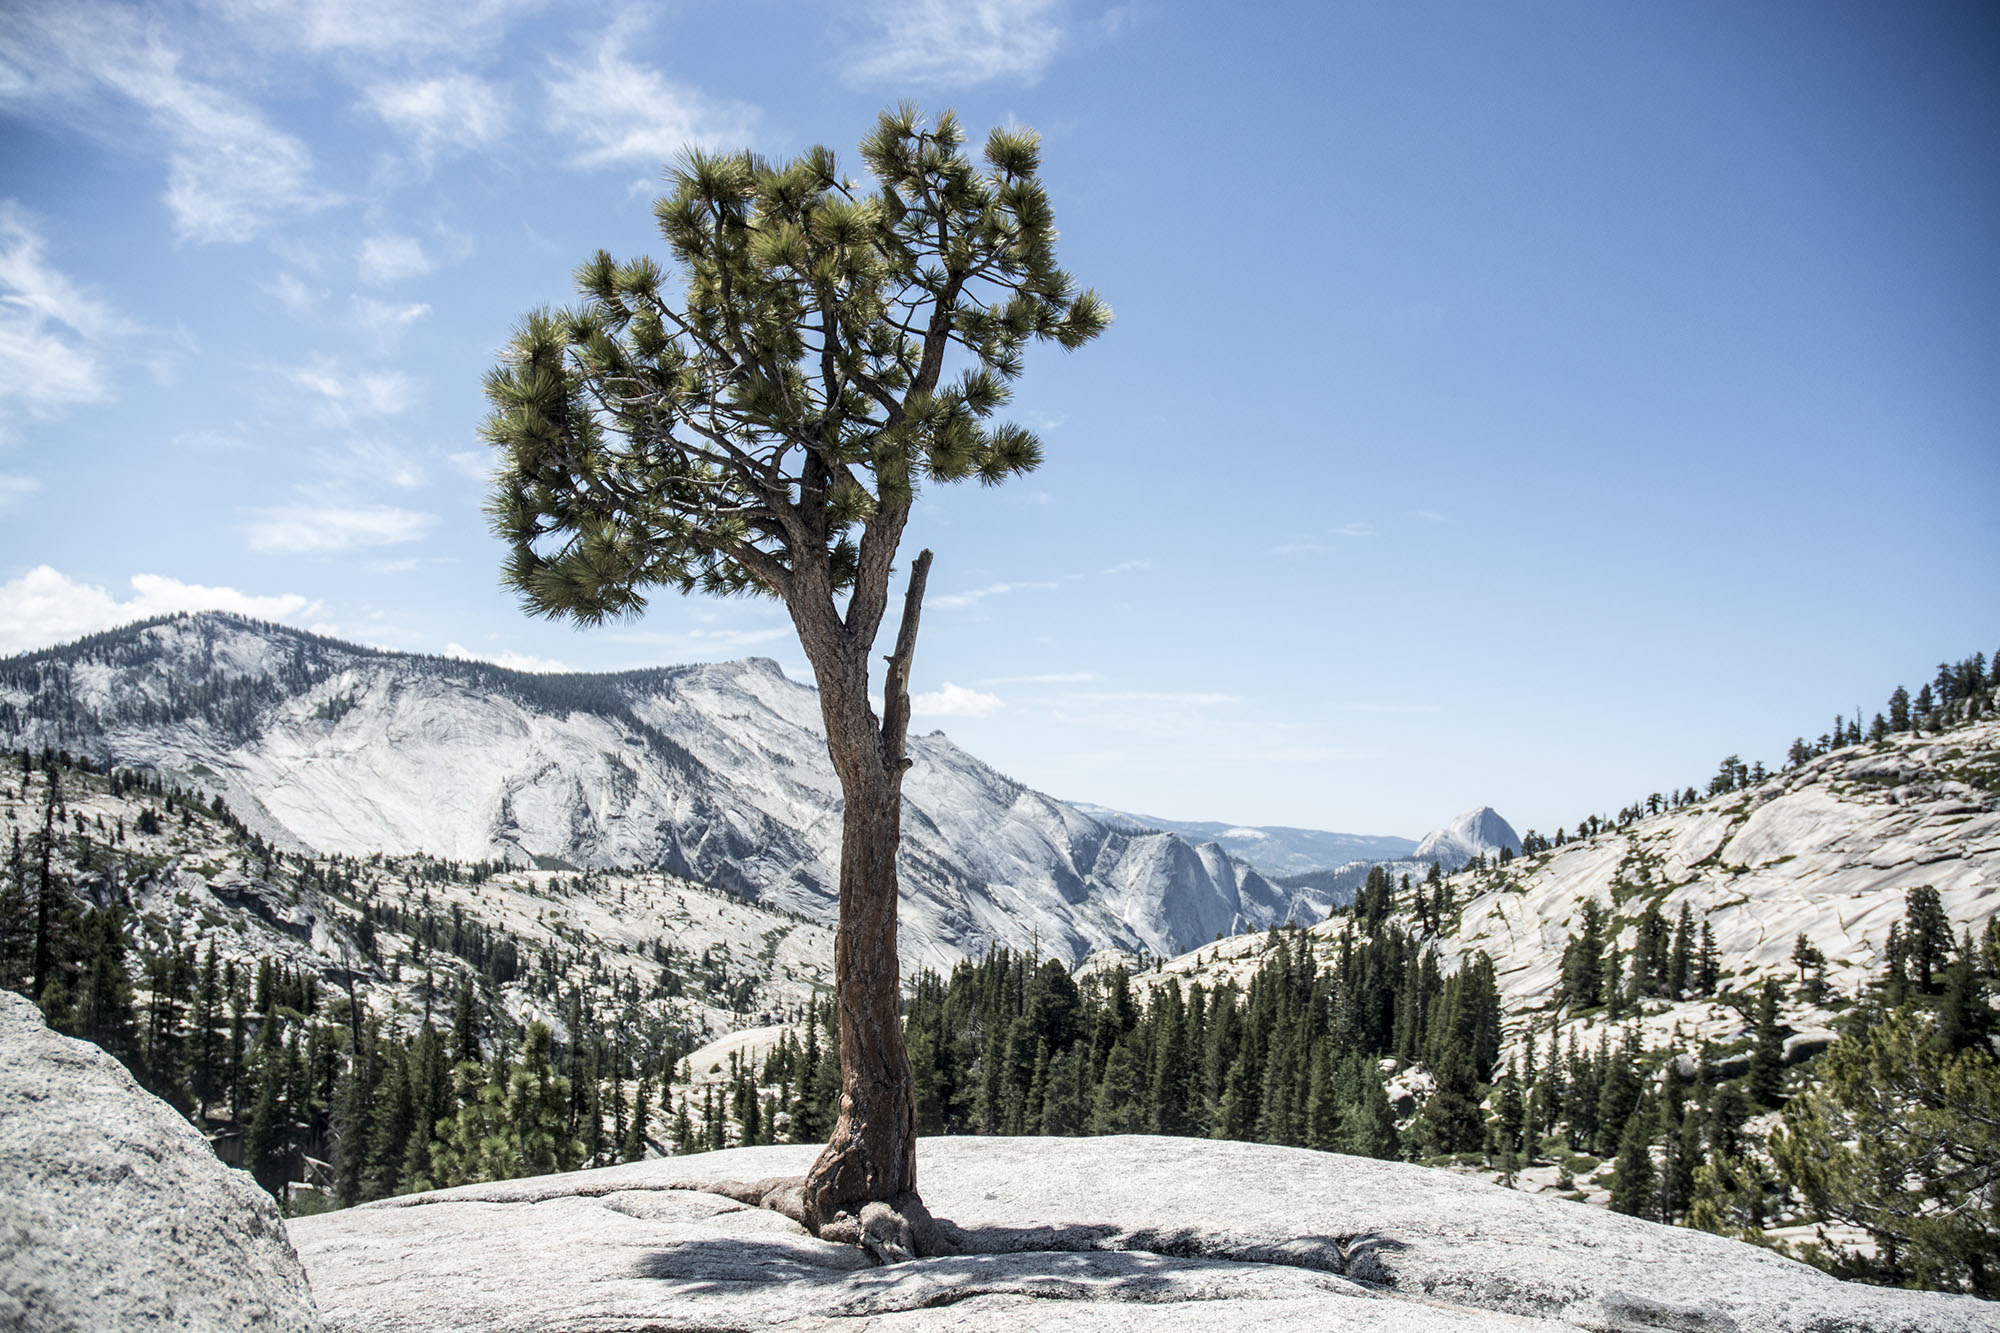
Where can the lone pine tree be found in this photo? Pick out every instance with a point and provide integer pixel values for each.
(767, 434)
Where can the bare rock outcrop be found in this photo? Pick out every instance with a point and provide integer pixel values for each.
(1113, 1233)
(114, 1212)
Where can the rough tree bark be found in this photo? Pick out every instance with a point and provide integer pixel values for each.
(871, 1155)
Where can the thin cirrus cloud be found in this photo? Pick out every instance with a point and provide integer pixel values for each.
(956, 43)
(44, 606)
(230, 173)
(958, 601)
(333, 529)
(50, 331)
(621, 112)
(385, 260)
(367, 462)
(341, 397)
(448, 114)
(396, 28)
(385, 321)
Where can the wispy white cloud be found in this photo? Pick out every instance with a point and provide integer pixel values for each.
(1127, 567)
(15, 488)
(50, 331)
(389, 28)
(385, 260)
(511, 661)
(478, 464)
(1298, 546)
(451, 113)
(385, 321)
(230, 172)
(344, 397)
(1355, 530)
(305, 529)
(290, 292)
(956, 43)
(620, 111)
(1168, 698)
(369, 463)
(954, 601)
(44, 607)
(1429, 516)
(951, 700)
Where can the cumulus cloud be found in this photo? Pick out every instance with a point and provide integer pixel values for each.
(448, 114)
(330, 529)
(44, 606)
(621, 111)
(957, 43)
(954, 701)
(50, 331)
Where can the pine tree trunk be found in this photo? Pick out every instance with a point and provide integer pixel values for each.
(871, 1154)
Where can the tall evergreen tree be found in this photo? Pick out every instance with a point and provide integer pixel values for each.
(769, 435)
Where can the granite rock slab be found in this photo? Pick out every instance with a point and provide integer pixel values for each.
(115, 1212)
(1136, 1233)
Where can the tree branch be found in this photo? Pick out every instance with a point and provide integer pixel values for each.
(896, 688)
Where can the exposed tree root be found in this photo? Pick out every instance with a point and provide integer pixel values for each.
(892, 1231)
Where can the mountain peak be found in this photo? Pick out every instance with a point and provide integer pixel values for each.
(1479, 831)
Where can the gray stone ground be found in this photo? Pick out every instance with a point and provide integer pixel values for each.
(115, 1213)
(1094, 1234)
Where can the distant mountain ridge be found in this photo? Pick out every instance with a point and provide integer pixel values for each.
(1477, 832)
(1272, 848)
(716, 773)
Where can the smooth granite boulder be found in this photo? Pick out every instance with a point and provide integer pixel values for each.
(115, 1213)
(1112, 1233)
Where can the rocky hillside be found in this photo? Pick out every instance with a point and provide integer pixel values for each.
(713, 773)
(1828, 850)
(676, 957)
(1823, 853)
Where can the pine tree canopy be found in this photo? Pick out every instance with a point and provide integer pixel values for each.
(768, 432)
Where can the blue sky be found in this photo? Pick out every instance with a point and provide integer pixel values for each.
(1522, 405)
